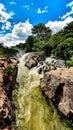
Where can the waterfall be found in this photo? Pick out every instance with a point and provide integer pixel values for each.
(33, 111)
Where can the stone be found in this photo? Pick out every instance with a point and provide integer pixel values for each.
(6, 112)
(31, 63)
(58, 86)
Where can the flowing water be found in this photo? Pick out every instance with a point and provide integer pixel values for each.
(33, 111)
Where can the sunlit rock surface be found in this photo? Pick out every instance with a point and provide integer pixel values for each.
(58, 86)
(7, 82)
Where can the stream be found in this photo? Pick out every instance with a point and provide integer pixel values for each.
(33, 111)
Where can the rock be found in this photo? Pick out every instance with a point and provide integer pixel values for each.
(31, 63)
(31, 60)
(42, 68)
(6, 112)
(1, 65)
(55, 62)
(58, 86)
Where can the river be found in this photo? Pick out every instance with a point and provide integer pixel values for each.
(33, 111)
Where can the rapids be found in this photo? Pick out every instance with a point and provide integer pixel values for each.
(33, 111)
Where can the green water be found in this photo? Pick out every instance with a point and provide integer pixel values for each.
(32, 110)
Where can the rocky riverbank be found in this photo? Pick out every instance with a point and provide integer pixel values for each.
(57, 82)
(8, 73)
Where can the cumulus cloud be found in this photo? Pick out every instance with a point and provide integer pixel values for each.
(4, 17)
(39, 11)
(70, 12)
(56, 26)
(18, 35)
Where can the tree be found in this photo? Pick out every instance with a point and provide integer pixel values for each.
(64, 50)
(29, 44)
(41, 31)
(55, 39)
(69, 28)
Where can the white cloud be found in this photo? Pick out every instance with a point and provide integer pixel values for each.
(69, 4)
(4, 17)
(18, 35)
(39, 11)
(12, 3)
(70, 12)
(6, 26)
(56, 26)
(46, 7)
(67, 14)
(27, 7)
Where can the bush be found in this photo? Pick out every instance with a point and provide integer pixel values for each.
(69, 63)
(9, 70)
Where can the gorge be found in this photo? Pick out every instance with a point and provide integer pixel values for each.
(33, 111)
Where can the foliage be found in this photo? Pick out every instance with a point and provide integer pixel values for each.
(29, 44)
(59, 44)
(41, 31)
(9, 70)
(64, 50)
(8, 52)
(38, 40)
(69, 63)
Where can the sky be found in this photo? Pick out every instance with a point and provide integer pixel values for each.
(17, 17)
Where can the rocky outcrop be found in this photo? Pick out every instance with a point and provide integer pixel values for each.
(8, 72)
(58, 86)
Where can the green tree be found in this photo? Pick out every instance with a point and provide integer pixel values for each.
(64, 50)
(41, 32)
(56, 39)
(29, 44)
(69, 28)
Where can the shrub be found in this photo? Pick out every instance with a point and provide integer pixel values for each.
(9, 70)
(69, 63)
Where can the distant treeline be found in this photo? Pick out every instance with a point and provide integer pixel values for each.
(8, 52)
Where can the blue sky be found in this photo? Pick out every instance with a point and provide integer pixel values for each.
(17, 17)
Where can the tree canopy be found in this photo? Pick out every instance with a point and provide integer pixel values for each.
(41, 32)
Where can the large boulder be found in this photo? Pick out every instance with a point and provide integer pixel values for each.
(58, 86)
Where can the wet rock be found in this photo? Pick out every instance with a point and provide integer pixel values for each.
(58, 86)
(42, 68)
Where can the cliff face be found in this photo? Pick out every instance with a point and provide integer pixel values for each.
(8, 72)
(58, 86)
